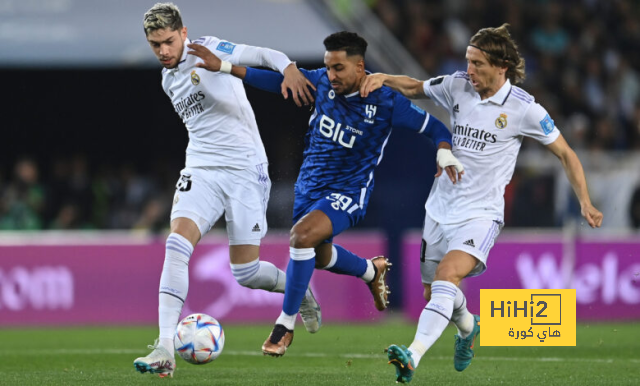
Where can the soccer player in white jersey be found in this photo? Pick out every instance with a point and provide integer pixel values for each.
(489, 117)
(226, 169)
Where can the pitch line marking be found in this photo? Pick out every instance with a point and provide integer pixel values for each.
(64, 351)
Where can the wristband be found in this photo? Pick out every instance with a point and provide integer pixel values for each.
(225, 67)
(446, 158)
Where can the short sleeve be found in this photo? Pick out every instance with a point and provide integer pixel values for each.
(314, 76)
(538, 125)
(439, 90)
(406, 115)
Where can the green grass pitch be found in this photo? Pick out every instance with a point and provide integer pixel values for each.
(606, 354)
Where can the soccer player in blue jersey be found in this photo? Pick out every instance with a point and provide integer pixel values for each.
(345, 142)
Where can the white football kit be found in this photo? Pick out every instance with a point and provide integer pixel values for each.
(487, 135)
(226, 164)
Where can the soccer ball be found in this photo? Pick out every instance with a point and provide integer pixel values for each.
(199, 339)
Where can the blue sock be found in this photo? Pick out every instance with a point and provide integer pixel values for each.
(348, 263)
(299, 271)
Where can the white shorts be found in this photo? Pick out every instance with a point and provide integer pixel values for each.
(203, 194)
(475, 237)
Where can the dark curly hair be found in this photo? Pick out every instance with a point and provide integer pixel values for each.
(350, 42)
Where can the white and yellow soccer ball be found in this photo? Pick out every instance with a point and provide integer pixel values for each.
(199, 339)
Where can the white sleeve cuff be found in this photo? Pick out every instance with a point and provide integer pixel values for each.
(265, 57)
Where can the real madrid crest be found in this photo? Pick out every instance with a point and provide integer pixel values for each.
(195, 79)
(501, 121)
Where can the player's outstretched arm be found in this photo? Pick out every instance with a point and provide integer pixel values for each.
(409, 87)
(575, 173)
(263, 79)
(294, 80)
(299, 85)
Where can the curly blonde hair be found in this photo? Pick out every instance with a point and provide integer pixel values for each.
(160, 16)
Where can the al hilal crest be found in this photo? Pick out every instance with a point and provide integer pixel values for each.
(195, 79)
(501, 121)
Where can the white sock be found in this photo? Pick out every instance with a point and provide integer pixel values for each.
(334, 258)
(461, 317)
(174, 285)
(434, 318)
(289, 321)
(369, 273)
(259, 275)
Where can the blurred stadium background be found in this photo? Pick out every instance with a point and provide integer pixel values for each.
(91, 149)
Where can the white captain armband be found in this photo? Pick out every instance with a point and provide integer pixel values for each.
(225, 67)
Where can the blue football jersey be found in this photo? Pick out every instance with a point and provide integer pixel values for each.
(347, 135)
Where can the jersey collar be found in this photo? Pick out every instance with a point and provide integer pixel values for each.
(352, 94)
(357, 92)
(501, 96)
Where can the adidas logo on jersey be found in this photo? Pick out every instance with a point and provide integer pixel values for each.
(469, 243)
(456, 109)
(256, 228)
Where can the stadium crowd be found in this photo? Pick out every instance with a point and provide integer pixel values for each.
(582, 56)
(582, 61)
(76, 196)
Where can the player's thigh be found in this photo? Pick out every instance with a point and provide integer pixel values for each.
(475, 238)
(198, 198)
(342, 209)
(434, 247)
(246, 198)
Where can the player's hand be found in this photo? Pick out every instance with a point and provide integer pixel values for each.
(447, 161)
(371, 83)
(209, 60)
(592, 215)
(298, 84)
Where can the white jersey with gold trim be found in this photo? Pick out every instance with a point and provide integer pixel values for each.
(214, 107)
(487, 135)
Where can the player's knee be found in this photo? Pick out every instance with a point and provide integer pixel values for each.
(301, 237)
(448, 273)
(186, 228)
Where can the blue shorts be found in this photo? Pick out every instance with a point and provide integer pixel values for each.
(344, 210)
